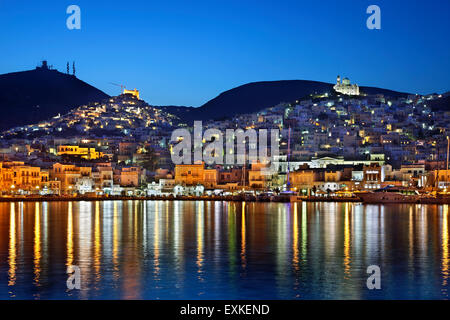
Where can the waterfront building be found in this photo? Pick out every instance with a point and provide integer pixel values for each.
(229, 187)
(189, 174)
(303, 179)
(68, 174)
(257, 179)
(373, 176)
(231, 176)
(442, 179)
(180, 190)
(84, 185)
(323, 162)
(16, 177)
(154, 189)
(210, 178)
(128, 176)
(103, 179)
(51, 187)
(167, 185)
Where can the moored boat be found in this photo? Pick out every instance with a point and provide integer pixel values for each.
(389, 195)
(264, 196)
(283, 196)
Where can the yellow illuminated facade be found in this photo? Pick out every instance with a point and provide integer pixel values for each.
(85, 153)
(189, 174)
(15, 176)
(193, 174)
(68, 174)
(134, 92)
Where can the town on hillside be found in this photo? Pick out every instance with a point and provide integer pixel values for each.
(331, 144)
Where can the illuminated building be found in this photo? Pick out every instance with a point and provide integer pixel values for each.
(256, 177)
(68, 174)
(134, 92)
(17, 177)
(129, 177)
(85, 153)
(345, 87)
(442, 177)
(189, 174)
(373, 176)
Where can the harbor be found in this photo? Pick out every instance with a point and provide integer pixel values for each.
(222, 250)
(386, 195)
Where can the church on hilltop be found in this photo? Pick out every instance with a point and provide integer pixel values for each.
(345, 87)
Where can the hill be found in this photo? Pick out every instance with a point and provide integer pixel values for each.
(256, 96)
(441, 104)
(31, 96)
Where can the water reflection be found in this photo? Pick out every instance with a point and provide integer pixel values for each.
(347, 241)
(445, 244)
(97, 242)
(243, 244)
(200, 230)
(190, 250)
(37, 245)
(12, 246)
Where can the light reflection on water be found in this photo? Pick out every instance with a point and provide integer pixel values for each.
(222, 250)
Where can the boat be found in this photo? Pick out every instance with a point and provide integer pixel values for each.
(238, 197)
(249, 196)
(389, 194)
(283, 196)
(264, 196)
(244, 196)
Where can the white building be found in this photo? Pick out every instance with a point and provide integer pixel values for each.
(84, 184)
(154, 189)
(345, 87)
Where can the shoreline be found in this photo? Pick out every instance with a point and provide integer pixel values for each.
(204, 198)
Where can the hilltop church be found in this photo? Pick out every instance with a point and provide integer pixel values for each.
(345, 87)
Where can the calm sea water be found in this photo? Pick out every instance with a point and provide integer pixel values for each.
(223, 250)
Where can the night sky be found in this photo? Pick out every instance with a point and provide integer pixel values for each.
(187, 52)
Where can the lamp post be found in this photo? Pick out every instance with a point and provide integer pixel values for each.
(446, 168)
(448, 148)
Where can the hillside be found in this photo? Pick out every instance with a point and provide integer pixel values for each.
(31, 96)
(256, 96)
(441, 104)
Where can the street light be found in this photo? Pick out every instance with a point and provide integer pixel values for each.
(448, 147)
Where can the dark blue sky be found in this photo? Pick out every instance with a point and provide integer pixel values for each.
(187, 52)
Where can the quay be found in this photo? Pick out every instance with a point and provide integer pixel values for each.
(34, 198)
